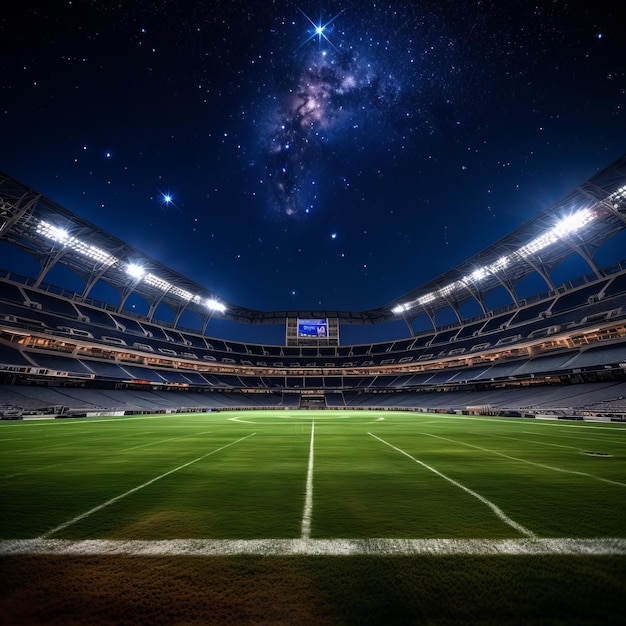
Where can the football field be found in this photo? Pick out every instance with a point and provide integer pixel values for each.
(397, 495)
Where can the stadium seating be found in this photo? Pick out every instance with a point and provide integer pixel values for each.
(78, 343)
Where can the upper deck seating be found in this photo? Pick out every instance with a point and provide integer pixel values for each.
(129, 325)
(444, 336)
(574, 299)
(96, 316)
(616, 286)
(51, 304)
(529, 313)
(497, 322)
(469, 329)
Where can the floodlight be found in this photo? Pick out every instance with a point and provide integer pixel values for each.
(616, 194)
(159, 283)
(214, 305)
(135, 271)
(52, 232)
(92, 252)
(60, 235)
(476, 275)
(429, 297)
(574, 222)
(182, 293)
(500, 264)
(401, 308)
(446, 290)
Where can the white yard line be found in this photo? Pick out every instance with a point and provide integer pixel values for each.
(316, 547)
(240, 421)
(156, 443)
(497, 510)
(308, 500)
(542, 465)
(577, 436)
(541, 443)
(53, 445)
(134, 489)
(46, 467)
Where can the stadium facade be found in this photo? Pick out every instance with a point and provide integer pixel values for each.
(560, 352)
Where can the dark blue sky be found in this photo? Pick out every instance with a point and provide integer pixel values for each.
(335, 170)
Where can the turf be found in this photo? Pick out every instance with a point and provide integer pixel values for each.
(242, 475)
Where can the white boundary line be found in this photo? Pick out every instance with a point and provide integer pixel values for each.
(65, 525)
(542, 465)
(308, 500)
(614, 546)
(497, 510)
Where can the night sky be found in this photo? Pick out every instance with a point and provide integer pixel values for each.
(333, 154)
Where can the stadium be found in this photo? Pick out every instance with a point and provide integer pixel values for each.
(315, 481)
(557, 352)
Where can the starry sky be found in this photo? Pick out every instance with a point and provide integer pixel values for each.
(294, 155)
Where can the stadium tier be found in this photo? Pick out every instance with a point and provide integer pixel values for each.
(560, 352)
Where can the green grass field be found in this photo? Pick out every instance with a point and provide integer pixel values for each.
(320, 517)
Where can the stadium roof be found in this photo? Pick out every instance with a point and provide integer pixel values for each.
(578, 224)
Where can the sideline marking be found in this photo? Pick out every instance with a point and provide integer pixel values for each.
(542, 465)
(127, 493)
(497, 510)
(308, 500)
(314, 547)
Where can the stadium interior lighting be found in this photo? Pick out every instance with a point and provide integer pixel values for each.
(60, 235)
(566, 226)
(136, 271)
(573, 222)
(429, 297)
(182, 293)
(139, 273)
(620, 193)
(476, 275)
(158, 283)
(214, 305)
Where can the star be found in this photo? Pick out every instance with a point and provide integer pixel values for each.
(167, 198)
(319, 29)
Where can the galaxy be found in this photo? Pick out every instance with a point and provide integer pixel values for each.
(294, 155)
(343, 94)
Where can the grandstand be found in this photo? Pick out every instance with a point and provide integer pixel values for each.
(558, 353)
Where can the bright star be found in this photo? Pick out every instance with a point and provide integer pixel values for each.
(167, 198)
(319, 29)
